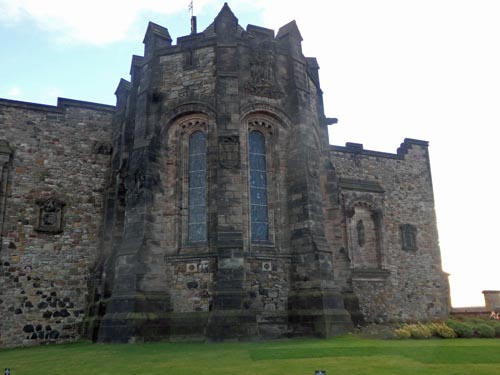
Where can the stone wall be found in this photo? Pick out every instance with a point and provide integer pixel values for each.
(404, 281)
(57, 173)
(276, 251)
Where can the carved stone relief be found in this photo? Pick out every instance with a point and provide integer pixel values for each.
(262, 80)
(135, 178)
(229, 151)
(50, 215)
(135, 186)
(313, 163)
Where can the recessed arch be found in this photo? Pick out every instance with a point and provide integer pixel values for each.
(185, 111)
(364, 224)
(184, 145)
(265, 110)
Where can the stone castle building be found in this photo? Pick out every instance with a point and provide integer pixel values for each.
(209, 204)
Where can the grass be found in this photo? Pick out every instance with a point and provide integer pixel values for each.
(344, 355)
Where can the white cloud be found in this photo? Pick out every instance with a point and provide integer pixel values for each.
(92, 21)
(14, 92)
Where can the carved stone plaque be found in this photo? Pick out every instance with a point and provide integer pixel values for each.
(229, 151)
(50, 215)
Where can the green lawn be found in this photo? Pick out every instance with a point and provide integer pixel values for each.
(345, 355)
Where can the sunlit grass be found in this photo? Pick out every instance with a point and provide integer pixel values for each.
(344, 355)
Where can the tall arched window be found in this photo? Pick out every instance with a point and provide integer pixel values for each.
(197, 186)
(258, 187)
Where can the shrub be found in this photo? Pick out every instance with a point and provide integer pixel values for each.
(433, 328)
(442, 330)
(475, 321)
(420, 331)
(402, 333)
(496, 326)
(484, 330)
(461, 329)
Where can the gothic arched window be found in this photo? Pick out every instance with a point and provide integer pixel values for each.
(197, 188)
(258, 187)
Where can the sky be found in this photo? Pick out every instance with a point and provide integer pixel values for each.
(389, 70)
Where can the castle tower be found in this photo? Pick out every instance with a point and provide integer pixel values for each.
(215, 225)
(209, 205)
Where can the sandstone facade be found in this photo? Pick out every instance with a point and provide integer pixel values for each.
(209, 204)
(55, 168)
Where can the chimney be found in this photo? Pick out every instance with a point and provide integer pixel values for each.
(193, 25)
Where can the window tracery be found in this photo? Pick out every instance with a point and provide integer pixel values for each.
(258, 187)
(197, 188)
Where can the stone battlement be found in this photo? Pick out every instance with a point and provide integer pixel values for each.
(357, 148)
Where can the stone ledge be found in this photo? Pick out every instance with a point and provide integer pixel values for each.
(360, 185)
(369, 274)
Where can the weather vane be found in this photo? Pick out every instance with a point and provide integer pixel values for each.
(193, 17)
(191, 8)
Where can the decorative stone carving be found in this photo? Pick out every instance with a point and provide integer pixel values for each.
(135, 186)
(408, 237)
(50, 215)
(229, 151)
(191, 267)
(135, 177)
(262, 80)
(313, 163)
(204, 266)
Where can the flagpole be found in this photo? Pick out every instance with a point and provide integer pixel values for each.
(193, 17)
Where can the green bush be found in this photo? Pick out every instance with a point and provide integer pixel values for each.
(461, 329)
(495, 324)
(497, 330)
(484, 330)
(475, 321)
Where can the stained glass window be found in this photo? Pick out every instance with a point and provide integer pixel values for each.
(197, 196)
(258, 187)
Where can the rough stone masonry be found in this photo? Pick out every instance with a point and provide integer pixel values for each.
(208, 204)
